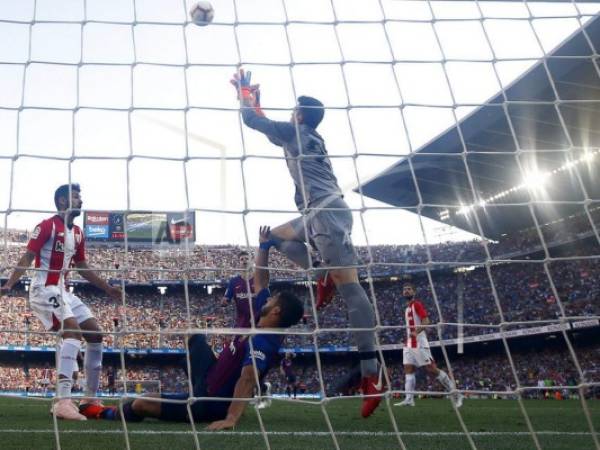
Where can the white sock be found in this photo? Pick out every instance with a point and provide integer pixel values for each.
(66, 363)
(92, 363)
(409, 385)
(445, 380)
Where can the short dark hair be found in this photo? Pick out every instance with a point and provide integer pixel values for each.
(292, 309)
(63, 191)
(243, 253)
(312, 111)
(409, 284)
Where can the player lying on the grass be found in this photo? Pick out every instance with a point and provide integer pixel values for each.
(416, 350)
(56, 244)
(328, 230)
(230, 378)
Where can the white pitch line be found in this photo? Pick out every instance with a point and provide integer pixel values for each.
(308, 433)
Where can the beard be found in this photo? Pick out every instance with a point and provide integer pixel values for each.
(266, 310)
(409, 297)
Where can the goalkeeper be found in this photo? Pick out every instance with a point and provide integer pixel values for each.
(231, 378)
(328, 230)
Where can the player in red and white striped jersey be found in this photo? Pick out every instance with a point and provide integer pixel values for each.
(57, 244)
(416, 350)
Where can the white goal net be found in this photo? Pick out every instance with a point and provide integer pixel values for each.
(464, 135)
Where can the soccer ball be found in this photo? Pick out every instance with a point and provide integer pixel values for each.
(202, 13)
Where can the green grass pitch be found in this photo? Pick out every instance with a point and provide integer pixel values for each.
(432, 424)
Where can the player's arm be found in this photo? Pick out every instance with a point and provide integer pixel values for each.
(244, 389)
(22, 266)
(422, 313)
(423, 326)
(39, 237)
(89, 274)
(261, 271)
(252, 114)
(228, 294)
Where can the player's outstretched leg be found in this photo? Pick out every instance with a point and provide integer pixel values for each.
(361, 315)
(64, 408)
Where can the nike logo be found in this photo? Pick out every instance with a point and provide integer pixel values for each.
(379, 385)
(178, 221)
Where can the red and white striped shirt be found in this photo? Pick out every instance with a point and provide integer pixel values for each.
(414, 314)
(55, 247)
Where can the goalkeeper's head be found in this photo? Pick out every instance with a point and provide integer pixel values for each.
(282, 310)
(309, 111)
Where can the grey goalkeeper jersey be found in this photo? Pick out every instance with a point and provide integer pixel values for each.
(310, 165)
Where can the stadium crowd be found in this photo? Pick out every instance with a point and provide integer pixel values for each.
(142, 264)
(149, 319)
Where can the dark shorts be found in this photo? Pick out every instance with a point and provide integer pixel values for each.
(202, 410)
(329, 231)
(202, 359)
(291, 379)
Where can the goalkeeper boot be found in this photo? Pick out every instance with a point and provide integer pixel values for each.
(66, 409)
(325, 290)
(373, 388)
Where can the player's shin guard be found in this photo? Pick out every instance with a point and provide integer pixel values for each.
(66, 364)
(410, 383)
(93, 367)
(361, 315)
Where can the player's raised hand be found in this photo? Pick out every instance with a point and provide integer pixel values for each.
(263, 234)
(241, 79)
(221, 425)
(245, 90)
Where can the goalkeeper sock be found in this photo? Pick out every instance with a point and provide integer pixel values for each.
(66, 364)
(445, 380)
(92, 363)
(410, 382)
(295, 391)
(361, 315)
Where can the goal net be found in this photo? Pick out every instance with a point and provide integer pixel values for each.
(463, 134)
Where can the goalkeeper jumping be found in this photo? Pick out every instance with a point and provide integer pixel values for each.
(327, 216)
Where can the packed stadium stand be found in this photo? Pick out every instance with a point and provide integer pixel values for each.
(145, 328)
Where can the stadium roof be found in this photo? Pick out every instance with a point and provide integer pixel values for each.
(544, 160)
